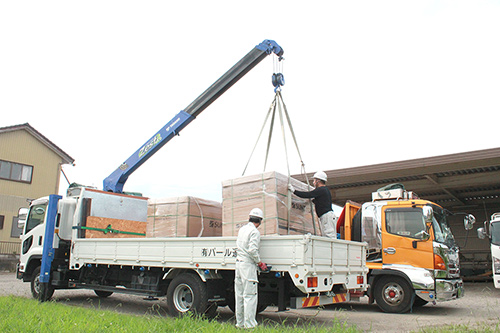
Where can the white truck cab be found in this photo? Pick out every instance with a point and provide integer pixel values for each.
(492, 230)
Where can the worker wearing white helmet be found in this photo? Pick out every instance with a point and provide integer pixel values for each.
(246, 282)
(322, 199)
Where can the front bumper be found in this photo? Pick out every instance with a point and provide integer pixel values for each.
(428, 288)
(447, 290)
(19, 274)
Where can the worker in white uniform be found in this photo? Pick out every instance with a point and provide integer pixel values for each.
(247, 260)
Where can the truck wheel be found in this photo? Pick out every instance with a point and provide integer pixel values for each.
(103, 294)
(36, 287)
(186, 294)
(393, 294)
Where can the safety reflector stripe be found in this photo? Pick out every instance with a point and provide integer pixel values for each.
(310, 301)
(339, 298)
(317, 301)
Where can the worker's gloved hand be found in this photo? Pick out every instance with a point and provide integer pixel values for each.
(291, 188)
(262, 266)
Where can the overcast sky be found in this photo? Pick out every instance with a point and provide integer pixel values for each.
(366, 82)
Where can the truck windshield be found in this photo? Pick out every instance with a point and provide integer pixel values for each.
(36, 216)
(442, 231)
(407, 222)
(495, 233)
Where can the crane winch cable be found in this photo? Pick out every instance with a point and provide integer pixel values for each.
(278, 105)
(302, 165)
(278, 79)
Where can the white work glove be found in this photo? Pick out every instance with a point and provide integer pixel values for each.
(291, 188)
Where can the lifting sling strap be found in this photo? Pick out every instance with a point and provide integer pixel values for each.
(278, 105)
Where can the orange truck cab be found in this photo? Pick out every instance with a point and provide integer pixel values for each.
(411, 254)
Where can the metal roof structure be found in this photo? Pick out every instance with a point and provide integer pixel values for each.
(462, 181)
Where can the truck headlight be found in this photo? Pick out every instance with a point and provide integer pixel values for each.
(448, 286)
(496, 265)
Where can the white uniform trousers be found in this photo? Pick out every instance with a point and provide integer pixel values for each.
(328, 224)
(246, 287)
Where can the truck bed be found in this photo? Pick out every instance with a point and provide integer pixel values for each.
(300, 256)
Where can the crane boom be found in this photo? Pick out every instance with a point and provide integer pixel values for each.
(116, 180)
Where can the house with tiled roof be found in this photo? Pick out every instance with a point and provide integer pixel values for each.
(30, 167)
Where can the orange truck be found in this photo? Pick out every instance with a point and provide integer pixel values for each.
(412, 256)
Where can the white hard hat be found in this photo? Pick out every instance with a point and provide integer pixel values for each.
(320, 175)
(256, 212)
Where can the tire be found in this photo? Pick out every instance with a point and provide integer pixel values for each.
(187, 294)
(393, 294)
(103, 294)
(36, 287)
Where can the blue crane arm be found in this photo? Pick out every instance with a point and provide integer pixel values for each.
(116, 181)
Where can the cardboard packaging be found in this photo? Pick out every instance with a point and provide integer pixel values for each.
(184, 217)
(269, 192)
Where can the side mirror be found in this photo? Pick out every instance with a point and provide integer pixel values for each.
(428, 213)
(469, 221)
(22, 215)
(423, 235)
(481, 233)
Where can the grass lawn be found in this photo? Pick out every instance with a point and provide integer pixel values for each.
(19, 314)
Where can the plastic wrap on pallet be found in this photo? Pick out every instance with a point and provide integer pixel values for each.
(269, 192)
(185, 216)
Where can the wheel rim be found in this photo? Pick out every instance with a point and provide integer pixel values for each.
(183, 297)
(36, 284)
(393, 293)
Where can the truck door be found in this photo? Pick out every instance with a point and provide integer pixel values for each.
(495, 251)
(404, 238)
(33, 233)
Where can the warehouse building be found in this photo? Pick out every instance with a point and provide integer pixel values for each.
(463, 183)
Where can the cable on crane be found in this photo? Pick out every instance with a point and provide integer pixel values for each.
(278, 106)
(278, 79)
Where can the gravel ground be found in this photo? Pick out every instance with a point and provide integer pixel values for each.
(478, 309)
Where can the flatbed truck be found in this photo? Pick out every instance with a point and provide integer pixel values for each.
(195, 274)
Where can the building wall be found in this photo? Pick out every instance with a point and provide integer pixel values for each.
(22, 147)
